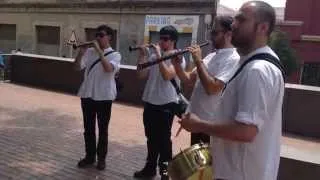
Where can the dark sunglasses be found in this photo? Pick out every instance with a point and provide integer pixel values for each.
(164, 38)
(100, 34)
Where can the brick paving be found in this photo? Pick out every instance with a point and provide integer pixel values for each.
(41, 137)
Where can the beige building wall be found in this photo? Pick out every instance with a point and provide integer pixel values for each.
(128, 19)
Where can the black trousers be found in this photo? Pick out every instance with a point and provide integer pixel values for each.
(91, 110)
(197, 138)
(157, 120)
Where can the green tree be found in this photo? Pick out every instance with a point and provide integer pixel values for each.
(280, 43)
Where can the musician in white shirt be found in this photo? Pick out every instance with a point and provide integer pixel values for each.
(211, 73)
(97, 92)
(160, 98)
(247, 131)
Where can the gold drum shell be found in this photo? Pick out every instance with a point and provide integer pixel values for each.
(193, 163)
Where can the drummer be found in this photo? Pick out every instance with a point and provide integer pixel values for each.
(210, 74)
(247, 131)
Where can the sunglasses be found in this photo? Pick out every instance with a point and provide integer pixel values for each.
(100, 34)
(165, 38)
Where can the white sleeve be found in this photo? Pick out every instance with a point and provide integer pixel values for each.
(183, 64)
(253, 98)
(227, 68)
(152, 57)
(208, 58)
(85, 59)
(115, 59)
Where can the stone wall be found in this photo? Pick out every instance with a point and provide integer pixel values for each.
(301, 114)
(125, 16)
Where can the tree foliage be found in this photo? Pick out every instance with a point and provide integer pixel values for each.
(280, 43)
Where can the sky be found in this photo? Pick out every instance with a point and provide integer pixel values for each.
(235, 4)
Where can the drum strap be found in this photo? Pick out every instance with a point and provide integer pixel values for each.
(261, 56)
(175, 85)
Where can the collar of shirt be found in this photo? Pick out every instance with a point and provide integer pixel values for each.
(218, 51)
(107, 49)
(263, 49)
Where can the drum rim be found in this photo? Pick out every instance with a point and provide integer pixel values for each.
(191, 148)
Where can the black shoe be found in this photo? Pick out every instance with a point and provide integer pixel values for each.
(164, 174)
(147, 172)
(101, 165)
(83, 163)
(164, 177)
(163, 171)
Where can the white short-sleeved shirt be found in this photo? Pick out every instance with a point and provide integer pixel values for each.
(158, 91)
(98, 84)
(220, 65)
(254, 97)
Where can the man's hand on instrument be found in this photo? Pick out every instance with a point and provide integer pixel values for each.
(158, 49)
(97, 47)
(190, 122)
(143, 51)
(196, 52)
(82, 49)
(177, 60)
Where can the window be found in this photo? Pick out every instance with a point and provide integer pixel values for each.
(311, 74)
(7, 37)
(48, 40)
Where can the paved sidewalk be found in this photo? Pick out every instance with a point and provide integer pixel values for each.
(41, 137)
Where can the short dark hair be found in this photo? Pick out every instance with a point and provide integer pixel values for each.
(109, 31)
(265, 13)
(225, 22)
(171, 31)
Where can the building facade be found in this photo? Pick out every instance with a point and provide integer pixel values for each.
(301, 25)
(46, 27)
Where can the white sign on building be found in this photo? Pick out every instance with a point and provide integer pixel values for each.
(184, 24)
